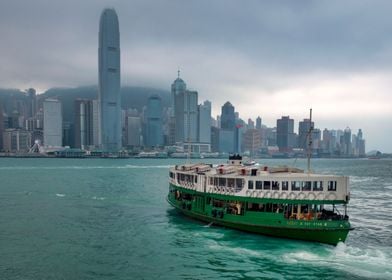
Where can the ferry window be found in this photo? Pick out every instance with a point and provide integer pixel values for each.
(295, 186)
(215, 181)
(222, 182)
(268, 207)
(211, 181)
(239, 183)
(318, 185)
(267, 185)
(332, 185)
(285, 186)
(195, 179)
(275, 185)
(307, 186)
(230, 182)
(259, 185)
(250, 185)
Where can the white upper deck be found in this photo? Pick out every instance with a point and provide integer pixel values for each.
(283, 182)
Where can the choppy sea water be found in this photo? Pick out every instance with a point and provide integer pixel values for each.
(108, 219)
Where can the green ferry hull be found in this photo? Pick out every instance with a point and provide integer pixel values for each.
(323, 235)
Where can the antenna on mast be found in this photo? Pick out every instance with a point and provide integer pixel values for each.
(310, 140)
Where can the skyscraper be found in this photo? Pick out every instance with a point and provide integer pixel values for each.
(258, 123)
(228, 142)
(154, 127)
(84, 136)
(53, 123)
(227, 117)
(204, 122)
(303, 133)
(184, 103)
(285, 136)
(109, 81)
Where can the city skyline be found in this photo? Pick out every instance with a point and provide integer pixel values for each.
(326, 59)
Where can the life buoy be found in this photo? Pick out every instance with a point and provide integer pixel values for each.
(283, 195)
(301, 195)
(276, 194)
(260, 194)
(248, 192)
(331, 196)
(311, 196)
(292, 195)
(267, 194)
(254, 194)
(320, 196)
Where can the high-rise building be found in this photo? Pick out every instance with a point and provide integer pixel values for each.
(258, 123)
(347, 142)
(84, 135)
(184, 103)
(32, 100)
(1, 125)
(16, 140)
(303, 133)
(154, 126)
(251, 124)
(53, 123)
(361, 144)
(229, 134)
(134, 131)
(228, 117)
(109, 81)
(252, 141)
(96, 126)
(285, 136)
(204, 122)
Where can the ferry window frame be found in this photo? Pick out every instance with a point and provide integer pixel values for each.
(239, 183)
(222, 182)
(230, 182)
(317, 185)
(307, 186)
(267, 185)
(275, 185)
(296, 186)
(332, 186)
(285, 185)
(259, 185)
(250, 184)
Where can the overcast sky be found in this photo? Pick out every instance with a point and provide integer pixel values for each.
(269, 58)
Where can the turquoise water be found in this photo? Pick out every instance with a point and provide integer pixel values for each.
(108, 219)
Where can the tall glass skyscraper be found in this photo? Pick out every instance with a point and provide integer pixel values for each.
(185, 107)
(154, 129)
(109, 81)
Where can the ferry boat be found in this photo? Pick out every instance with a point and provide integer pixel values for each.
(277, 201)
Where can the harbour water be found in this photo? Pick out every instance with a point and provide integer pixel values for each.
(108, 219)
